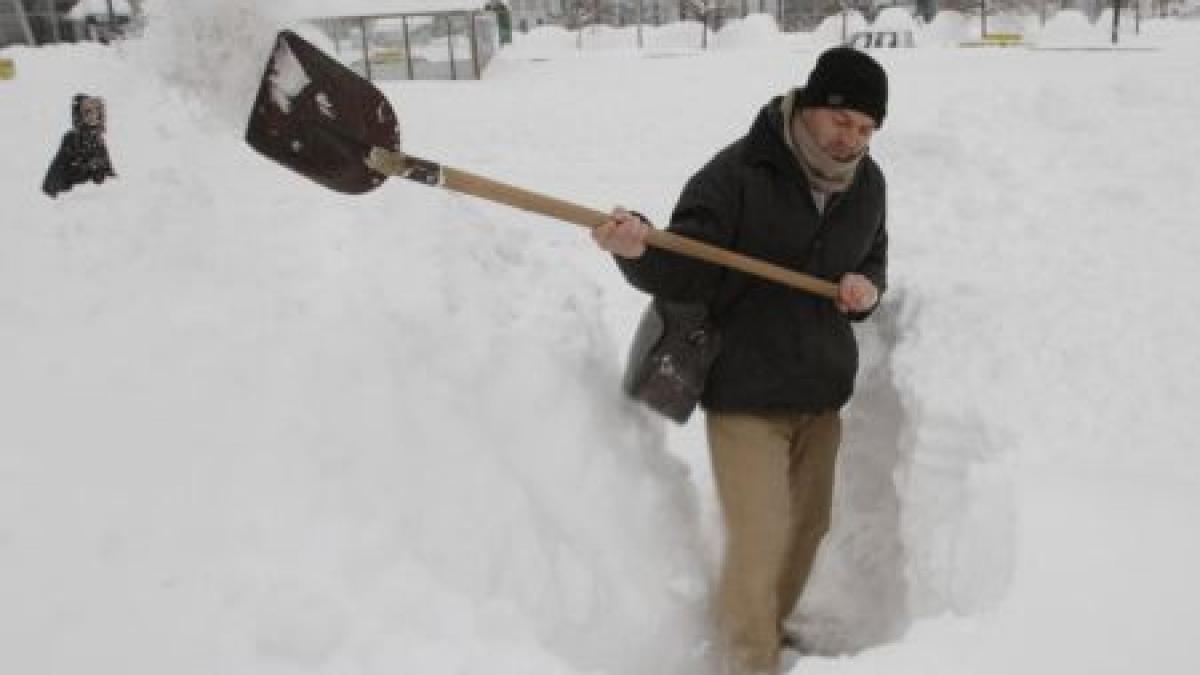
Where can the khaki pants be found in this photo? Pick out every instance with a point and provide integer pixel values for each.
(774, 477)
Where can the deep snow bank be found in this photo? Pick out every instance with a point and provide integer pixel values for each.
(254, 427)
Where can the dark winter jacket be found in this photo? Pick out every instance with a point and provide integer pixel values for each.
(782, 349)
(82, 156)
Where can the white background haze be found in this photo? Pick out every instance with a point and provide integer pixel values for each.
(250, 426)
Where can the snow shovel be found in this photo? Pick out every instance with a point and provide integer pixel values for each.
(319, 118)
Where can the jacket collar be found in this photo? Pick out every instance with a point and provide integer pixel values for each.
(765, 144)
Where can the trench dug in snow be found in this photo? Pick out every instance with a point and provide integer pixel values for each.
(923, 519)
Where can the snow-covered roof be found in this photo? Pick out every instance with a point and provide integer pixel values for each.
(326, 8)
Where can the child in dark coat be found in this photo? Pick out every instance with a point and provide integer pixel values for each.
(83, 155)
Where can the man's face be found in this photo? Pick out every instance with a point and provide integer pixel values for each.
(842, 134)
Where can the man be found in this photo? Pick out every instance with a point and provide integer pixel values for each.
(799, 190)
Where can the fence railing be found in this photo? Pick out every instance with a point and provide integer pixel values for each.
(434, 46)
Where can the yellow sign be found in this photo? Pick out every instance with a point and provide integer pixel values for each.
(7, 69)
(997, 40)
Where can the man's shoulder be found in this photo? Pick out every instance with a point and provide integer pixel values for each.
(727, 160)
(871, 173)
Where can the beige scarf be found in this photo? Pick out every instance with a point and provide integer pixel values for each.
(825, 174)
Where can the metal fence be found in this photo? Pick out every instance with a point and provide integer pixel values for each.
(791, 15)
(452, 45)
(39, 22)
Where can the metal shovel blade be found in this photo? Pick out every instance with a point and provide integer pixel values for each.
(319, 118)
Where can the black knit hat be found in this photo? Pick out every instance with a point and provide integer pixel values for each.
(845, 77)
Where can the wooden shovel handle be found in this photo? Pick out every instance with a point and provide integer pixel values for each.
(486, 188)
(743, 263)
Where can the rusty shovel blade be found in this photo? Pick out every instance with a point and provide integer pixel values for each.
(318, 118)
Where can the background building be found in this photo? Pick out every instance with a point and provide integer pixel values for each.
(791, 15)
(39, 22)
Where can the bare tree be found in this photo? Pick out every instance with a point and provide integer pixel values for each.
(705, 10)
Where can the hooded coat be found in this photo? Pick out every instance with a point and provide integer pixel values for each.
(782, 350)
(82, 156)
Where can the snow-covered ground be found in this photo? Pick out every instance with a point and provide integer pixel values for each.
(251, 426)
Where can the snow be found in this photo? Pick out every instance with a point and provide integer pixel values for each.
(253, 426)
(328, 8)
(88, 8)
(1072, 27)
(756, 31)
(288, 79)
(830, 30)
(948, 28)
(894, 18)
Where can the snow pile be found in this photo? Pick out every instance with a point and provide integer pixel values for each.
(601, 36)
(542, 38)
(676, 35)
(549, 40)
(1070, 27)
(273, 430)
(895, 18)
(326, 8)
(1128, 26)
(1011, 23)
(252, 426)
(948, 28)
(99, 8)
(832, 29)
(756, 30)
(212, 52)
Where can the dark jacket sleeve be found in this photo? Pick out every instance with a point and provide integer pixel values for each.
(874, 265)
(707, 211)
(102, 167)
(56, 179)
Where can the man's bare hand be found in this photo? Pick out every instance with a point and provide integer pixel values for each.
(623, 234)
(856, 293)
